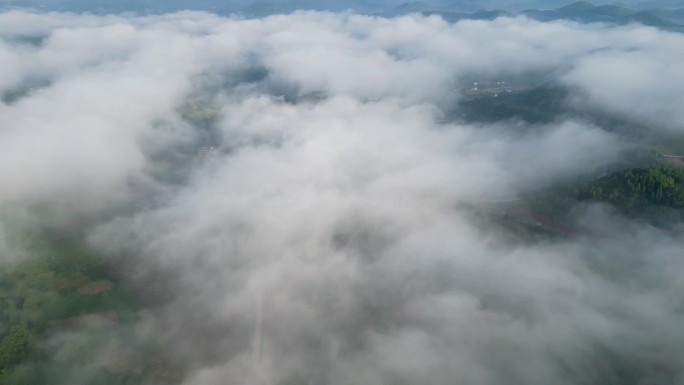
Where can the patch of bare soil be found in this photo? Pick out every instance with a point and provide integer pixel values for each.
(677, 161)
(93, 321)
(95, 288)
(120, 360)
(68, 284)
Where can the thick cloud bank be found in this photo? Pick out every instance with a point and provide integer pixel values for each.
(292, 190)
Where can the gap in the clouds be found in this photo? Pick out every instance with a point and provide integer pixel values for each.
(538, 99)
(31, 41)
(67, 312)
(27, 88)
(472, 228)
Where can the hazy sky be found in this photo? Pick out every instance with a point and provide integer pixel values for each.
(261, 7)
(324, 241)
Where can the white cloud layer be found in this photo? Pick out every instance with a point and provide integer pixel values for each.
(322, 242)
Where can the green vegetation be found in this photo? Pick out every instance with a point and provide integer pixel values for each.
(645, 192)
(512, 224)
(538, 105)
(15, 347)
(653, 193)
(638, 187)
(548, 103)
(60, 306)
(667, 146)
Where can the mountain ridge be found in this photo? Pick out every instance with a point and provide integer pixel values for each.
(579, 11)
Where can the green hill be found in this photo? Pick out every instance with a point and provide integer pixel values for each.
(638, 187)
(585, 12)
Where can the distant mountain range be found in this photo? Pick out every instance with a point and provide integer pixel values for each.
(664, 17)
(581, 11)
(674, 15)
(585, 12)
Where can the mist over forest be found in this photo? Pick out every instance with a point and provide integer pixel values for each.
(340, 198)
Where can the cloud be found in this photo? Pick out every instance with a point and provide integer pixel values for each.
(640, 83)
(290, 189)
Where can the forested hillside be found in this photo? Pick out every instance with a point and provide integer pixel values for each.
(654, 185)
(58, 307)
